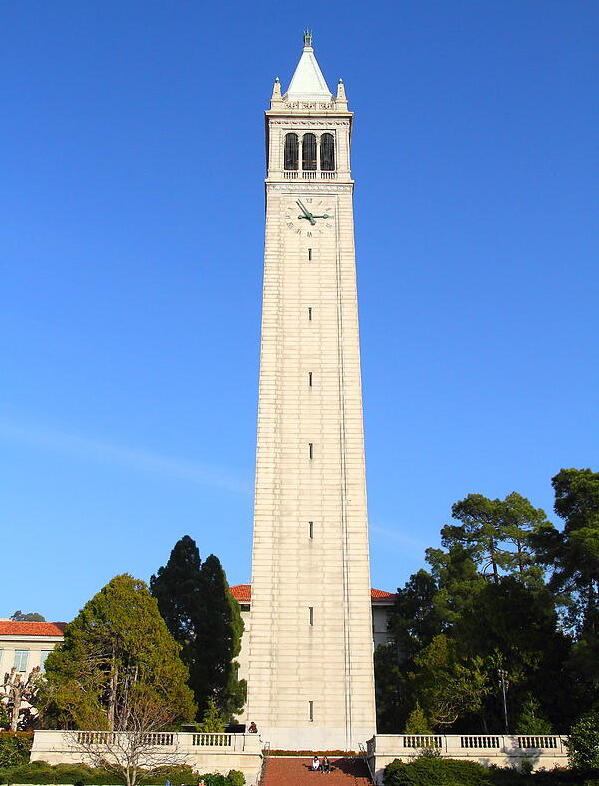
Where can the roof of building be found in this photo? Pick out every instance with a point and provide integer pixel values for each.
(10, 628)
(243, 594)
(308, 81)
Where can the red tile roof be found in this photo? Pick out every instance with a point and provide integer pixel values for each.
(243, 593)
(381, 595)
(10, 628)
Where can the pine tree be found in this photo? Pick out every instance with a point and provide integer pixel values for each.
(213, 720)
(417, 722)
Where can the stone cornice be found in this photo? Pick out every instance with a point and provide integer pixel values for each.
(309, 185)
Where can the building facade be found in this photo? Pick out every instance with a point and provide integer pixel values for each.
(310, 664)
(25, 645)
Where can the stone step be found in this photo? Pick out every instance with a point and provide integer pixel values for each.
(295, 771)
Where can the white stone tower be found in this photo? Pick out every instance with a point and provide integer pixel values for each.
(310, 663)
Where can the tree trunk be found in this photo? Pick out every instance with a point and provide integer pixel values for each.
(16, 706)
(493, 562)
(114, 677)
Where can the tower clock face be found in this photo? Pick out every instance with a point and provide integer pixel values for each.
(309, 216)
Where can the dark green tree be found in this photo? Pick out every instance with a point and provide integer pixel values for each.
(118, 666)
(176, 587)
(32, 616)
(393, 690)
(415, 621)
(520, 522)
(202, 615)
(219, 632)
(573, 558)
(481, 531)
(498, 534)
(458, 582)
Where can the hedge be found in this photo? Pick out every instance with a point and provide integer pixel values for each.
(15, 747)
(436, 771)
(40, 772)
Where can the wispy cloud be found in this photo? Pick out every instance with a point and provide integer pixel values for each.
(399, 536)
(133, 458)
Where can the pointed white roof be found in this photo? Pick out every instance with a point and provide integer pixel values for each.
(308, 80)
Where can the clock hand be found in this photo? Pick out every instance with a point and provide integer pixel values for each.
(303, 208)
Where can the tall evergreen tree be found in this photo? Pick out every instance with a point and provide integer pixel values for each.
(573, 557)
(176, 587)
(202, 615)
(219, 640)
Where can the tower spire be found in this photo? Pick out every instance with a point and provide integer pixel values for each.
(308, 81)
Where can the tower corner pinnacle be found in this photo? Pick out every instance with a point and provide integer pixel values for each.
(276, 98)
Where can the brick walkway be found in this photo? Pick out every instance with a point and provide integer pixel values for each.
(295, 771)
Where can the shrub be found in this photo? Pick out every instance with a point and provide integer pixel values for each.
(175, 773)
(435, 771)
(15, 747)
(417, 722)
(583, 744)
(531, 720)
(236, 778)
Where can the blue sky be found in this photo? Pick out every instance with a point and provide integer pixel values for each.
(132, 229)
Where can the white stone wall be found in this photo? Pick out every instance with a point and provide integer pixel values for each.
(217, 753)
(503, 750)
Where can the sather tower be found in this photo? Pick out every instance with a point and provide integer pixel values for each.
(310, 682)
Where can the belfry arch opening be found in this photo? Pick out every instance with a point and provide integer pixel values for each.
(309, 160)
(309, 152)
(291, 152)
(327, 153)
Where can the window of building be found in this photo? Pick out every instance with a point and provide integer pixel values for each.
(310, 313)
(311, 529)
(245, 607)
(21, 657)
(311, 710)
(291, 151)
(43, 657)
(309, 152)
(311, 449)
(327, 152)
(311, 614)
(309, 379)
(309, 254)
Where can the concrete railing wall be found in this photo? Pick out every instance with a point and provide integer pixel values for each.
(204, 752)
(545, 750)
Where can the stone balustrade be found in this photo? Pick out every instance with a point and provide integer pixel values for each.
(308, 174)
(546, 750)
(205, 752)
